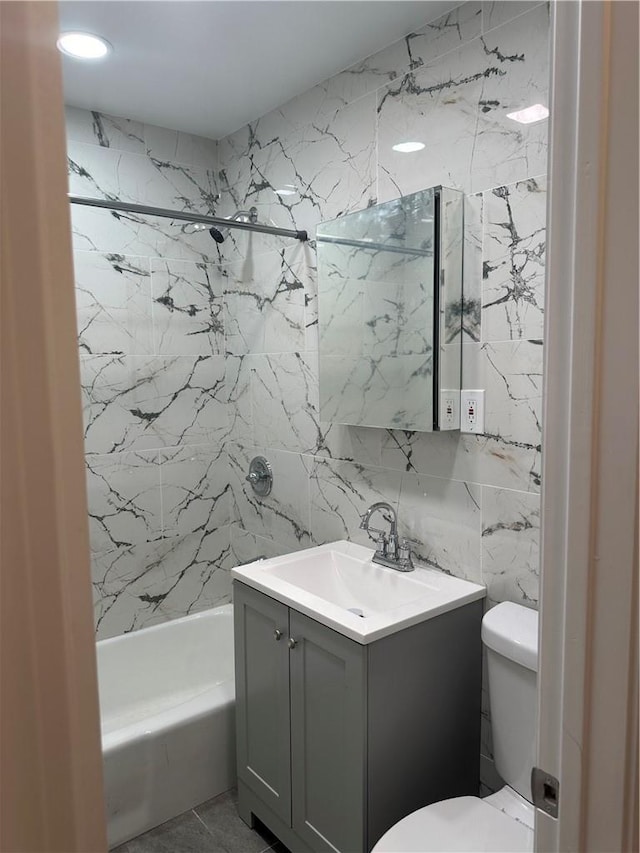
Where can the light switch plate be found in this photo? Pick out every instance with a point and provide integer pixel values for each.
(472, 411)
(449, 409)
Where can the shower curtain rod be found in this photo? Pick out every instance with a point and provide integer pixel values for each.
(374, 247)
(148, 210)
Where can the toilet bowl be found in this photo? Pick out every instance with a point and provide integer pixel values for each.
(501, 822)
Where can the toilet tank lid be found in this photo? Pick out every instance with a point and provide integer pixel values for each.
(512, 630)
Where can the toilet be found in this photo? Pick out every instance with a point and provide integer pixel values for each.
(501, 822)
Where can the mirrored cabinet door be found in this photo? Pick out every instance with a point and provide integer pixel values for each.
(389, 302)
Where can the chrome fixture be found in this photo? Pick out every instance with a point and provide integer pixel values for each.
(260, 476)
(220, 234)
(391, 552)
(246, 222)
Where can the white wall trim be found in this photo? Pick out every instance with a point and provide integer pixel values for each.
(586, 368)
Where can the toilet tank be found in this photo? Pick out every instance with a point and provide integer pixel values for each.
(510, 635)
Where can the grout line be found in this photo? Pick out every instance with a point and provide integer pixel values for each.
(194, 812)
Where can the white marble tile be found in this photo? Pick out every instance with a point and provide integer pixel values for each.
(350, 443)
(331, 165)
(133, 234)
(457, 107)
(113, 304)
(235, 153)
(498, 12)
(506, 151)
(99, 172)
(180, 147)
(125, 581)
(107, 131)
(311, 298)
(336, 159)
(513, 262)
(436, 105)
(197, 569)
(436, 38)
(134, 403)
(123, 495)
(282, 515)
(265, 303)
(134, 567)
(513, 411)
(450, 455)
(195, 489)
(441, 519)
(511, 545)
(340, 492)
(284, 399)
(142, 585)
(188, 308)
(238, 399)
(508, 455)
(117, 615)
(246, 547)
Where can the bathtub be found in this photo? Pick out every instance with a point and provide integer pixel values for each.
(167, 702)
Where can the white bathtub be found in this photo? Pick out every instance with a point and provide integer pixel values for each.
(167, 706)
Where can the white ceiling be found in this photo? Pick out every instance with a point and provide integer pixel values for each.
(211, 66)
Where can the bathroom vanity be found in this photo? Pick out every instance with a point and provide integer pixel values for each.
(358, 694)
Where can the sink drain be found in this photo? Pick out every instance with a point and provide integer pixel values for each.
(356, 612)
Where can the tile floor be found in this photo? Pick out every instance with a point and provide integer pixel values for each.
(212, 827)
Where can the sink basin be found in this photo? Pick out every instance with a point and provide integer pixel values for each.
(339, 586)
(348, 581)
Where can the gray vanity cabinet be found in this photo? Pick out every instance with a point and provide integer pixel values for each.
(262, 698)
(336, 740)
(327, 683)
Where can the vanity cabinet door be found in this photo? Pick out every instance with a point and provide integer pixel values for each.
(262, 693)
(328, 736)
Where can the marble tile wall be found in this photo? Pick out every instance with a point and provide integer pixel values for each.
(150, 309)
(470, 504)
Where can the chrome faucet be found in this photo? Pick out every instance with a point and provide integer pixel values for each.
(391, 552)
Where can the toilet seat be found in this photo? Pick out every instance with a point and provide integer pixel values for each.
(460, 825)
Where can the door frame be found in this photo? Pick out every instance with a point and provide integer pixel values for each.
(588, 673)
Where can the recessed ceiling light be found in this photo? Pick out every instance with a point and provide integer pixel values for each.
(83, 45)
(527, 116)
(408, 147)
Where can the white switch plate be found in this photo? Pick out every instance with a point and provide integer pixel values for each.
(472, 411)
(449, 409)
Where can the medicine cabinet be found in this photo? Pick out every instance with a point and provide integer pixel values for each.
(390, 313)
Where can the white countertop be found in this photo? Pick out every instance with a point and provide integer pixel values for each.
(337, 582)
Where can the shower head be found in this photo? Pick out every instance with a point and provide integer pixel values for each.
(218, 236)
(251, 215)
